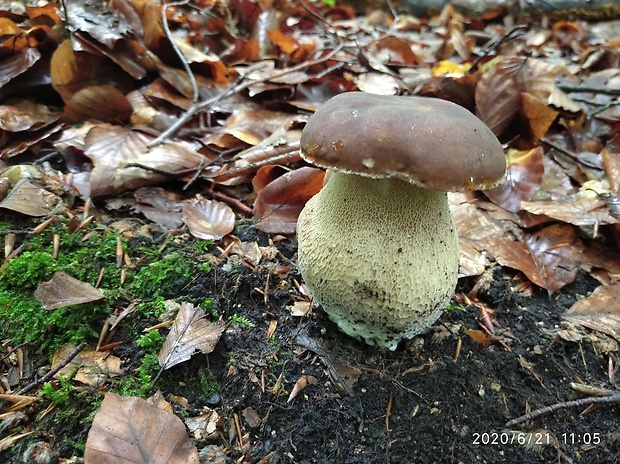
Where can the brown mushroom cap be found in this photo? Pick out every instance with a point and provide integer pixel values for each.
(432, 143)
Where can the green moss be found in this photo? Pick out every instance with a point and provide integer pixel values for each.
(59, 392)
(163, 277)
(208, 383)
(48, 330)
(150, 339)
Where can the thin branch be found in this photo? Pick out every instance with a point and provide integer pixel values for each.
(612, 398)
(517, 30)
(53, 371)
(177, 50)
(587, 89)
(207, 104)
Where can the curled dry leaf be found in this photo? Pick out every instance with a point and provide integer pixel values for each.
(132, 430)
(278, 205)
(64, 290)
(208, 219)
(302, 383)
(191, 333)
(600, 311)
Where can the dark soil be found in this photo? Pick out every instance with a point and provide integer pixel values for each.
(442, 410)
(417, 404)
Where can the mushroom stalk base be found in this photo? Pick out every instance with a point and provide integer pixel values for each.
(381, 256)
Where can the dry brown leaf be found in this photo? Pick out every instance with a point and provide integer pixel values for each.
(538, 114)
(93, 367)
(582, 209)
(208, 219)
(550, 258)
(160, 206)
(131, 430)
(300, 308)
(556, 251)
(378, 83)
(27, 198)
(100, 102)
(474, 229)
(63, 290)
(191, 333)
(514, 254)
(611, 163)
(600, 311)
(72, 71)
(301, 383)
(204, 425)
(278, 205)
(17, 64)
(497, 99)
(480, 337)
(525, 174)
(113, 149)
(26, 115)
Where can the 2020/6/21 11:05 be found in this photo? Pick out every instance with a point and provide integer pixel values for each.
(535, 438)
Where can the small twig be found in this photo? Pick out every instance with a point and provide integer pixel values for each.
(587, 89)
(238, 204)
(612, 398)
(53, 371)
(177, 50)
(205, 105)
(517, 30)
(392, 9)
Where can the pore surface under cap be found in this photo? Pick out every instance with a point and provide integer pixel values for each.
(429, 142)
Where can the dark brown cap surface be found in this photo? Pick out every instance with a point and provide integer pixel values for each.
(429, 142)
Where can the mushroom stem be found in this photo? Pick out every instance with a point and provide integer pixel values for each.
(380, 256)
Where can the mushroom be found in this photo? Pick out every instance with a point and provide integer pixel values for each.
(377, 246)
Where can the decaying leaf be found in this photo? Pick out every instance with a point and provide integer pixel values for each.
(132, 430)
(600, 311)
(93, 367)
(64, 290)
(208, 219)
(480, 337)
(191, 333)
(204, 425)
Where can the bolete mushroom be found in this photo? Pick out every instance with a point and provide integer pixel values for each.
(378, 246)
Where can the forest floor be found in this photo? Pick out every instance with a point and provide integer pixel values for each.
(150, 182)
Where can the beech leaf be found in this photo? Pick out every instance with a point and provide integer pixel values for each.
(63, 290)
(131, 430)
(600, 311)
(191, 333)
